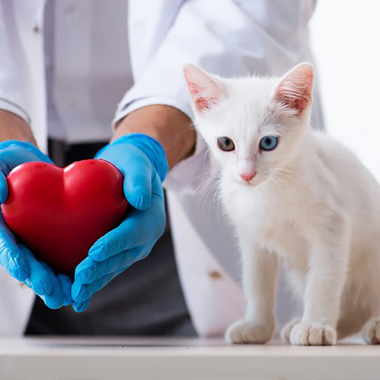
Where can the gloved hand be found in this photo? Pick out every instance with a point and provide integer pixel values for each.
(15, 257)
(141, 159)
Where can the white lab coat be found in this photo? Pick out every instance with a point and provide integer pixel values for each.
(227, 37)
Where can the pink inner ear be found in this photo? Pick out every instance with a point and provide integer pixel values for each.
(204, 91)
(295, 90)
(203, 104)
(193, 87)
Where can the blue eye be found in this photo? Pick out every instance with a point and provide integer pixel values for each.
(268, 143)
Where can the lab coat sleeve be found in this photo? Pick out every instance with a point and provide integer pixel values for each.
(227, 37)
(11, 94)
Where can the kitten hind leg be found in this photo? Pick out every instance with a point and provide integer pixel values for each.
(287, 329)
(371, 331)
(245, 331)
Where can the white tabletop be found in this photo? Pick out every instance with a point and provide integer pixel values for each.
(180, 359)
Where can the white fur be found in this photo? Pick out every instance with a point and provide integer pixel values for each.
(312, 204)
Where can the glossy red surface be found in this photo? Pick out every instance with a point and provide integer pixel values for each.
(59, 213)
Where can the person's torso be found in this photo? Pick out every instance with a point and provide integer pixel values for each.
(87, 67)
(87, 72)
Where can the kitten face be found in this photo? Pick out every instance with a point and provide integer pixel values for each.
(252, 125)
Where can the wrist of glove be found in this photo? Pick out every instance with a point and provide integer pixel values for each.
(152, 149)
(16, 152)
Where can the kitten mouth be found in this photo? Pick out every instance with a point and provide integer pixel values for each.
(253, 183)
(245, 183)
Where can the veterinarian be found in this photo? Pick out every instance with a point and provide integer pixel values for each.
(64, 66)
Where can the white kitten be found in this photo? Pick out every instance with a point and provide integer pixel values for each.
(293, 194)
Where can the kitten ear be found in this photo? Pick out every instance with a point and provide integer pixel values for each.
(205, 90)
(295, 88)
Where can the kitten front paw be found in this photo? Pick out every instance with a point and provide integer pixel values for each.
(305, 334)
(248, 332)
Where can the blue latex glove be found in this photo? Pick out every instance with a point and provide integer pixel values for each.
(15, 257)
(142, 161)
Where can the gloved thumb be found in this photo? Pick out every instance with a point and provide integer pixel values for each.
(138, 182)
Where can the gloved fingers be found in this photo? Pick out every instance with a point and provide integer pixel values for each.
(89, 270)
(138, 229)
(3, 188)
(39, 279)
(66, 286)
(11, 257)
(87, 291)
(56, 298)
(131, 233)
(80, 307)
(138, 180)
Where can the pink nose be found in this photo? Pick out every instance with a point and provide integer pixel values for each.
(247, 176)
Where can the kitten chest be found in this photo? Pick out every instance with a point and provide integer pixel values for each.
(276, 223)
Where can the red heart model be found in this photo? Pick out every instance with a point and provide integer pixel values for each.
(60, 213)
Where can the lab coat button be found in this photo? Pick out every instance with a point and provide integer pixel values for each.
(215, 275)
(36, 29)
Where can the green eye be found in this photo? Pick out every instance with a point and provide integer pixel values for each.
(226, 144)
(268, 143)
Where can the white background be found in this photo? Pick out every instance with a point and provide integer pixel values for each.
(346, 41)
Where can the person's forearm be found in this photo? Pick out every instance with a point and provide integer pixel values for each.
(13, 127)
(172, 128)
